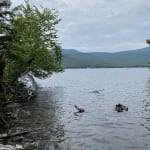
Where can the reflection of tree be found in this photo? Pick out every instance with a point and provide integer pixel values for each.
(43, 115)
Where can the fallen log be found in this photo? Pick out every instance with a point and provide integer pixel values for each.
(2, 118)
(9, 135)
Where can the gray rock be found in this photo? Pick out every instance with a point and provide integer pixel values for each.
(7, 147)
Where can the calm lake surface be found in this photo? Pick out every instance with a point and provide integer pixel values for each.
(99, 127)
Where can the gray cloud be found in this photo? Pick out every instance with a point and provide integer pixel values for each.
(101, 25)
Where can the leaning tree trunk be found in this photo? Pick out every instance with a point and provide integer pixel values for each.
(2, 66)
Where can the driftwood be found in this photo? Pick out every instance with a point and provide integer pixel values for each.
(3, 119)
(30, 95)
(80, 110)
(9, 135)
(121, 108)
(20, 93)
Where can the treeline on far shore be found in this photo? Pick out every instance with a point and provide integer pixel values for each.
(133, 58)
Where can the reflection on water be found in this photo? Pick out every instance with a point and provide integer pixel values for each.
(146, 106)
(99, 127)
(46, 118)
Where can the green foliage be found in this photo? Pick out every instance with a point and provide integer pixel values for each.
(33, 47)
(28, 44)
(148, 41)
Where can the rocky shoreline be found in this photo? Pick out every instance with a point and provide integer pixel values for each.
(11, 112)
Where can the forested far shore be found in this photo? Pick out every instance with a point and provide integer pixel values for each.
(133, 58)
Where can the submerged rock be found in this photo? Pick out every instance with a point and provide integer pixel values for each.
(7, 147)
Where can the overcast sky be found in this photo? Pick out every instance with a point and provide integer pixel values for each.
(101, 25)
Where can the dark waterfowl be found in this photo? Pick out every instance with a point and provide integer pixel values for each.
(121, 108)
(80, 110)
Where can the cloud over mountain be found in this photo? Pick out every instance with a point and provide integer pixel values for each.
(103, 25)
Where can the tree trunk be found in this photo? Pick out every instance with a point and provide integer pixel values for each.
(2, 66)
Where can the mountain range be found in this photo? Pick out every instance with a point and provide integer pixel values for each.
(132, 58)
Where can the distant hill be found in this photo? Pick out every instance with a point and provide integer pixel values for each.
(132, 58)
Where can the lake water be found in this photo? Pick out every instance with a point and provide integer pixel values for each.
(99, 127)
